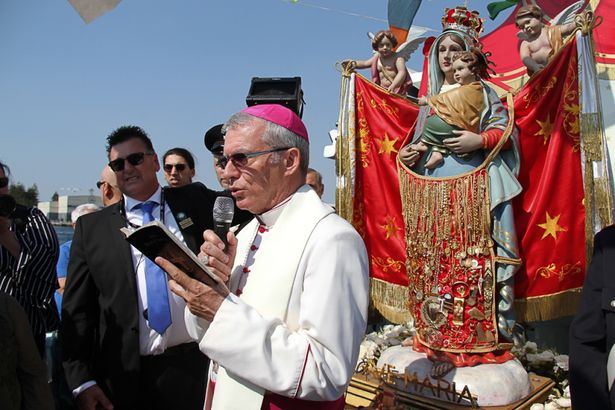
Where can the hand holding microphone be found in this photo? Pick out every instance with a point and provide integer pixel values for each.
(223, 212)
(216, 250)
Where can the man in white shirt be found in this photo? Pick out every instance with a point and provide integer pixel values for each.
(124, 337)
(284, 326)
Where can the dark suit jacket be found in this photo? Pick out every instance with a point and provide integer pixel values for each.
(100, 329)
(592, 332)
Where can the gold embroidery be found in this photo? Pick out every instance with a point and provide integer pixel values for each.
(571, 107)
(567, 269)
(539, 92)
(384, 106)
(388, 263)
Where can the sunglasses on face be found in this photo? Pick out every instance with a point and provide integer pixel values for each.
(179, 167)
(134, 160)
(100, 183)
(241, 159)
(4, 181)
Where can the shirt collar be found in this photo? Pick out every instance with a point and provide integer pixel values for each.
(270, 217)
(131, 202)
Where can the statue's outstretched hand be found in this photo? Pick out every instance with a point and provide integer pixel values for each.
(349, 65)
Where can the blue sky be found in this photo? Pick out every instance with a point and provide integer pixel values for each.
(174, 68)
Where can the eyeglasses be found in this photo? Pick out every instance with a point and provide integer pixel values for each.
(100, 183)
(135, 159)
(179, 167)
(241, 159)
(4, 181)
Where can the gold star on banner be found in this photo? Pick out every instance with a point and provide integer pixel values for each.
(387, 146)
(551, 227)
(390, 227)
(363, 145)
(545, 128)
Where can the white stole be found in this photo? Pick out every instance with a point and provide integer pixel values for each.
(282, 248)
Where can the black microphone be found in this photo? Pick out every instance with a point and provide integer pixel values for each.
(224, 209)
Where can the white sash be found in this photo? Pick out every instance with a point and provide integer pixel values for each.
(282, 248)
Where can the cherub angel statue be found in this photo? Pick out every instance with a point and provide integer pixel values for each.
(539, 42)
(387, 64)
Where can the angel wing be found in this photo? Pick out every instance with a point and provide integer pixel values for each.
(567, 15)
(412, 42)
(406, 49)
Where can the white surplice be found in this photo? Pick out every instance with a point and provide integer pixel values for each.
(296, 329)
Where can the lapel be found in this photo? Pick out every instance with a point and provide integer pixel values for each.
(185, 217)
(122, 248)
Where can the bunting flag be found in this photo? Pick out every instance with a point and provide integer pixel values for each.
(401, 14)
(497, 7)
(92, 9)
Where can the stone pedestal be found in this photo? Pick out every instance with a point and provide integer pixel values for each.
(486, 384)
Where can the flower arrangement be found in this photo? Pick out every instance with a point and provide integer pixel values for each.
(549, 364)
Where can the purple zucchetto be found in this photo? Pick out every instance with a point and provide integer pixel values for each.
(278, 114)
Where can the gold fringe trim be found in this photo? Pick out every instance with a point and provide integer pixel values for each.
(390, 300)
(592, 133)
(603, 200)
(588, 192)
(548, 307)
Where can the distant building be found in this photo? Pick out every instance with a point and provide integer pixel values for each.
(59, 211)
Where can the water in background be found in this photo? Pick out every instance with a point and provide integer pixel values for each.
(65, 233)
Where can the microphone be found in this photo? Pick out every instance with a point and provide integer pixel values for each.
(224, 209)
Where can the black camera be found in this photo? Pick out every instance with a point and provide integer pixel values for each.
(7, 205)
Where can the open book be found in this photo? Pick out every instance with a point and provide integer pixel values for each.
(154, 239)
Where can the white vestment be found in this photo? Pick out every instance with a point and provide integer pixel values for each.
(296, 329)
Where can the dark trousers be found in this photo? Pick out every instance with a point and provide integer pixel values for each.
(174, 380)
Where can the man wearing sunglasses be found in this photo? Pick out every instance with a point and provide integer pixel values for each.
(285, 326)
(124, 337)
(178, 167)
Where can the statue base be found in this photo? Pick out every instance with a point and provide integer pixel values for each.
(403, 377)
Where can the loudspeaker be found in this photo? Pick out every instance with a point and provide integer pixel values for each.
(275, 90)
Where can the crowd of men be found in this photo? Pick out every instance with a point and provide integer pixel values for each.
(282, 325)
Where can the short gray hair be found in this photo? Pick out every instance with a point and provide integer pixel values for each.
(275, 135)
(82, 210)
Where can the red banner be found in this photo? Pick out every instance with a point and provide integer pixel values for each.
(550, 213)
(382, 123)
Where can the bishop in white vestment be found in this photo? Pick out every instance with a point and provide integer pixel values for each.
(284, 329)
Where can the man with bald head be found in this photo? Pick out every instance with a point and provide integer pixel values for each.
(109, 192)
(285, 322)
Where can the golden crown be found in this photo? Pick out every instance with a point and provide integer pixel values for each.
(461, 19)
